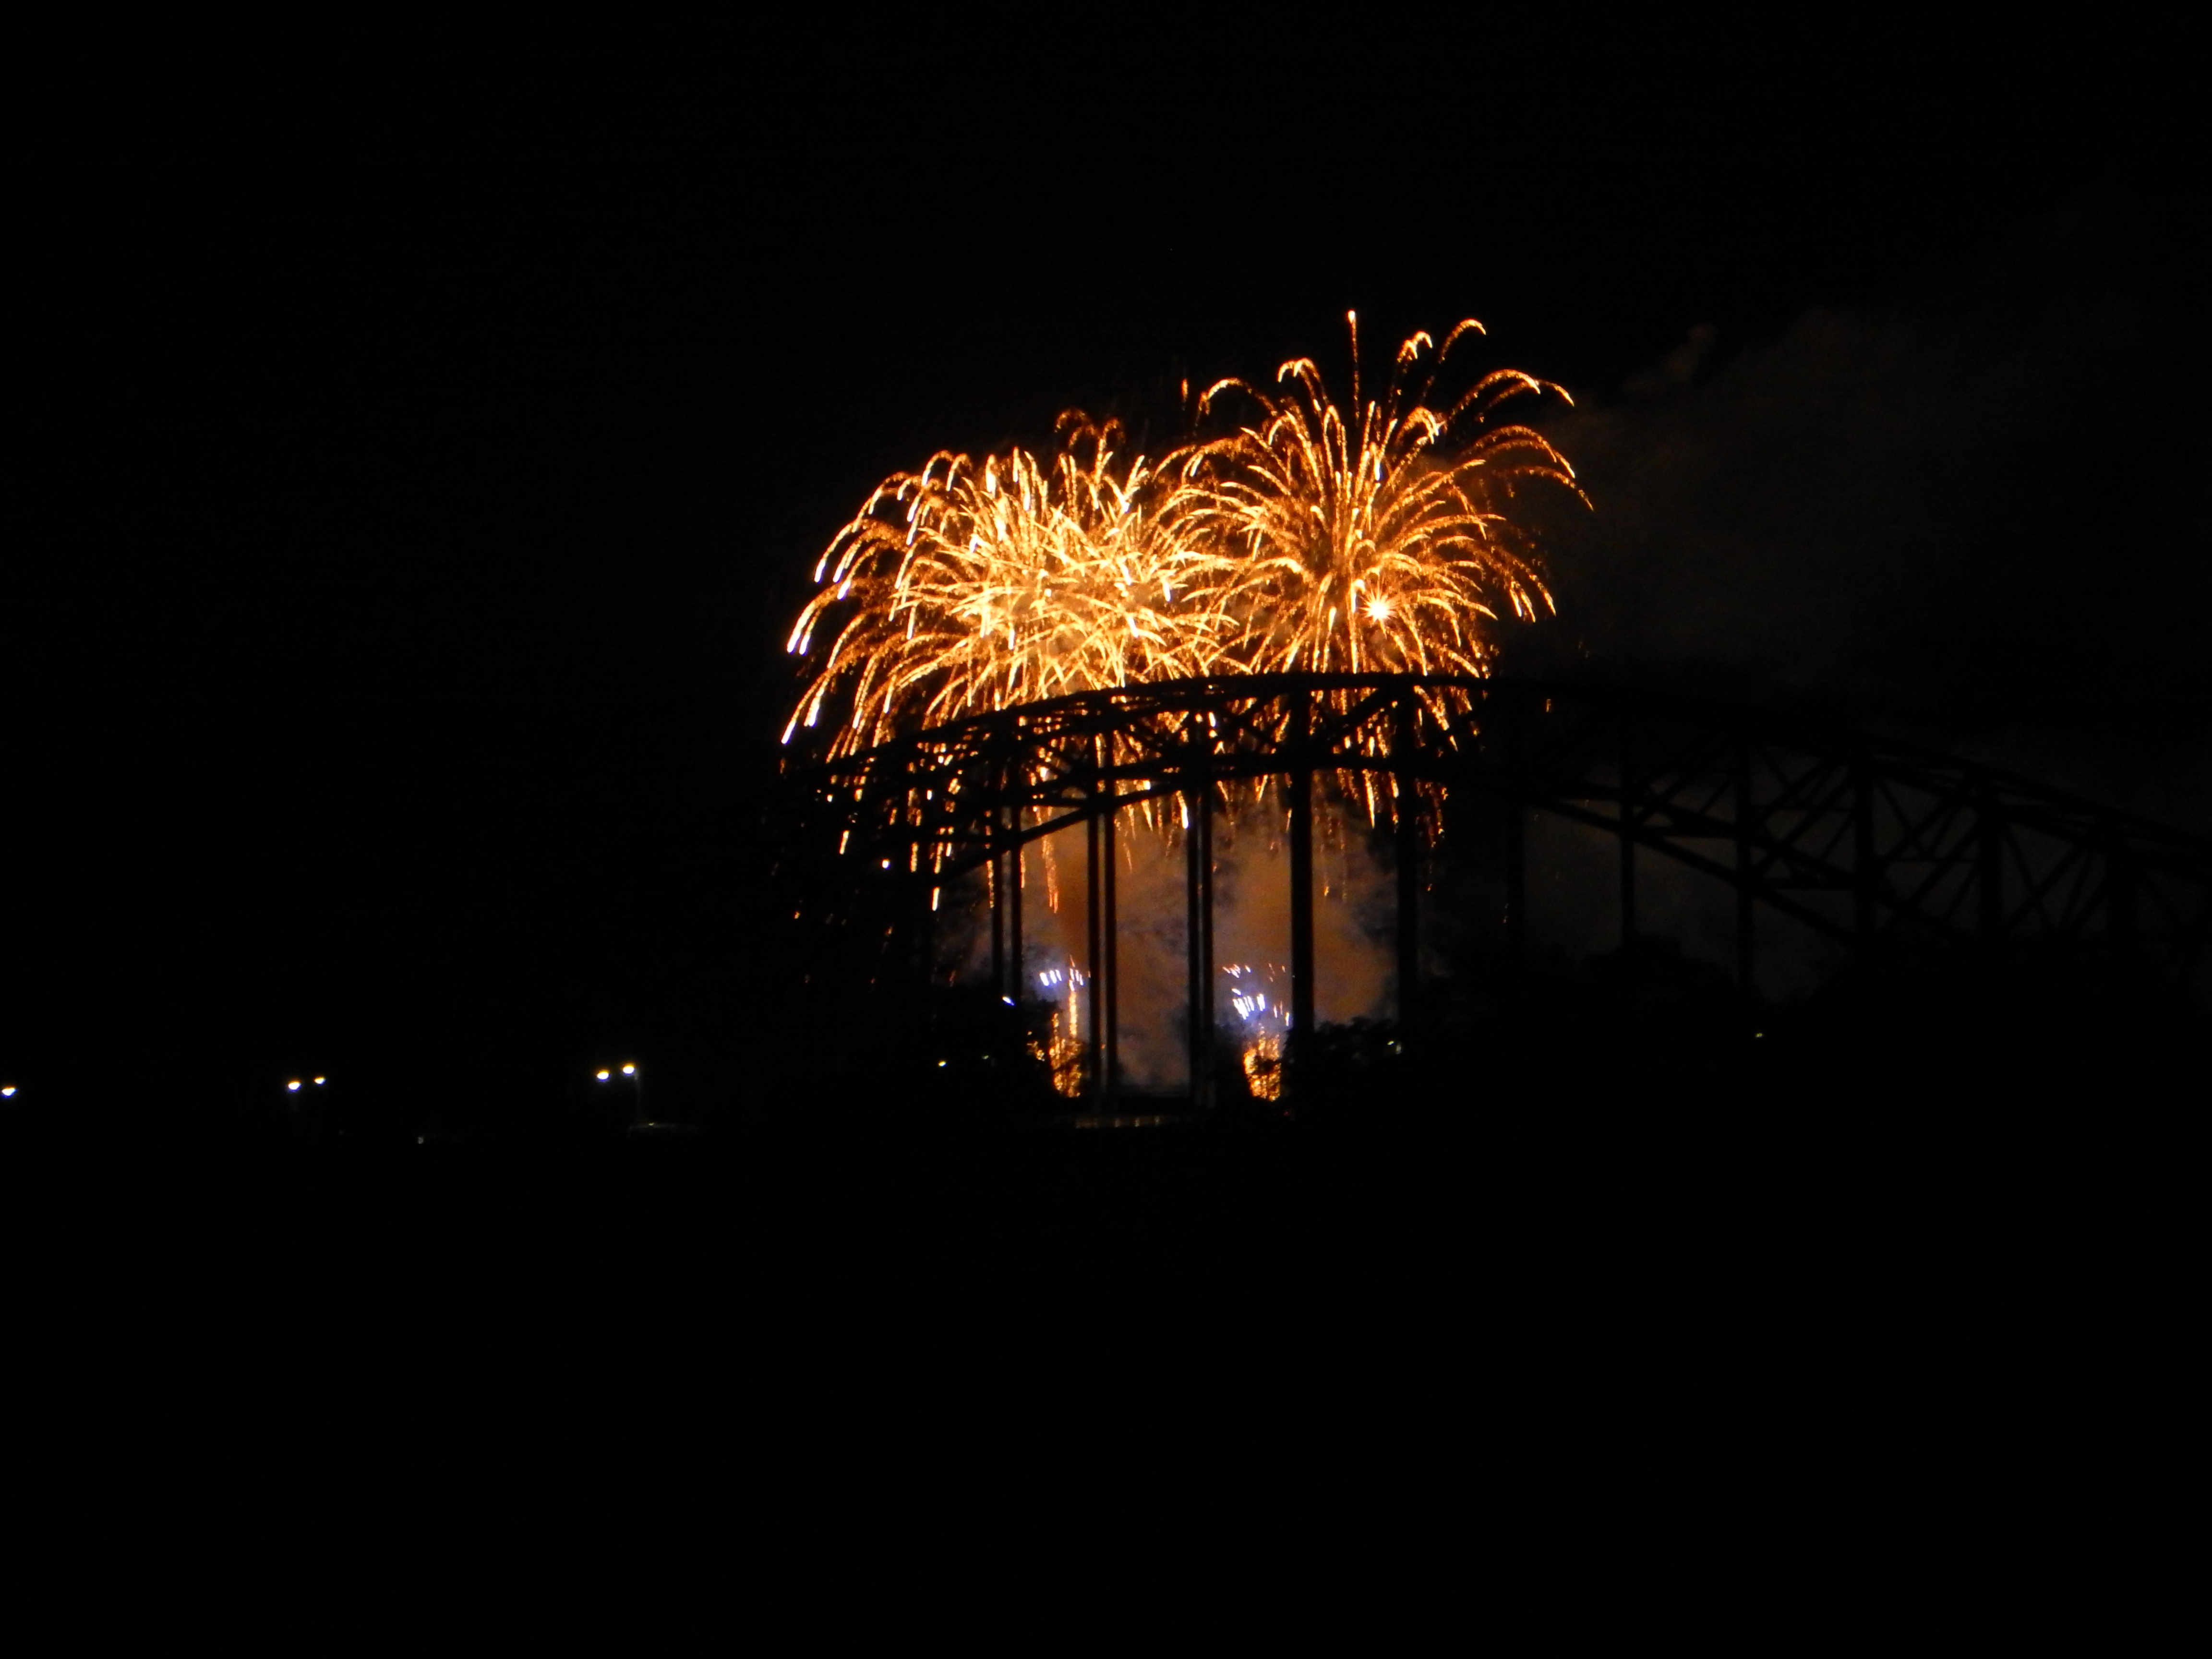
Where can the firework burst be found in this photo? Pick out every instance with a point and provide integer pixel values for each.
(968, 586)
(1375, 540)
(1306, 537)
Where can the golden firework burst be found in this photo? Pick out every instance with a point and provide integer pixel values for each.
(969, 586)
(1305, 538)
(1375, 540)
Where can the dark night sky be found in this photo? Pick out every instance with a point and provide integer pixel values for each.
(419, 492)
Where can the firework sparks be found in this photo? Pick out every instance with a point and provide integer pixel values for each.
(1296, 535)
(1305, 538)
(964, 587)
(1060, 1047)
(1377, 541)
(1262, 1024)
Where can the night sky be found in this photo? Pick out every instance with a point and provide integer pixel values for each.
(428, 453)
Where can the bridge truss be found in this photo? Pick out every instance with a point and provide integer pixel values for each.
(1869, 842)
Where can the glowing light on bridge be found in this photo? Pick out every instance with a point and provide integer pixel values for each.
(1255, 997)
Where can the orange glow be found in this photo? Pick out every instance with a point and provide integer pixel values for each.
(1376, 540)
(1304, 537)
(1262, 1057)
(978, 587)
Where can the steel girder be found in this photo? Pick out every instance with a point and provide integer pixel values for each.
(1864, 840)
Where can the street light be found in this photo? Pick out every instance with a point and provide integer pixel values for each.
(606, 1074)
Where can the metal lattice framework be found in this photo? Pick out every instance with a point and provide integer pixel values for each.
(1867, 841)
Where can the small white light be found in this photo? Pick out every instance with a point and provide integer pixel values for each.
(603, 1077)
(319, 1082)
(630, 1071)
(8, 1091)
(940, 1064)
(293, 1087)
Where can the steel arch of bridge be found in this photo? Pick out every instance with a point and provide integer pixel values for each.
(1863, 840)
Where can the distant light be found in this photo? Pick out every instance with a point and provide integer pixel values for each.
(7, 1092)
(603, 1077)
(940, 1063)
(319, 1082)
(418, 1140)
(630, 1071)
(293, 1087)
(1009, 1001)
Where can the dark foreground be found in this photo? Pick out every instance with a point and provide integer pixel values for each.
(1832, 1327)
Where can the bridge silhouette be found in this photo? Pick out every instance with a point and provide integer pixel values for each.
(1872, 844)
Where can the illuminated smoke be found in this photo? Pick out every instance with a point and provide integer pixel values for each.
(1352, 911)
(1287, 533)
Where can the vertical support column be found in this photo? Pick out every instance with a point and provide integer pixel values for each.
(1109, 1025)
(998, 897)
(1743, 871)
(1093, 965)
(1206, 959)
(1198, 907)
(1302, 916)
(1017, 986)
(1409, 872)
(1627, 835)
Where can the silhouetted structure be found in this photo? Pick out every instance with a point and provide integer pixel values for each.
(1869, 842)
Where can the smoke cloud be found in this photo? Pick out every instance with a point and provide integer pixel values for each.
(1975, 515)
(1352, 943)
